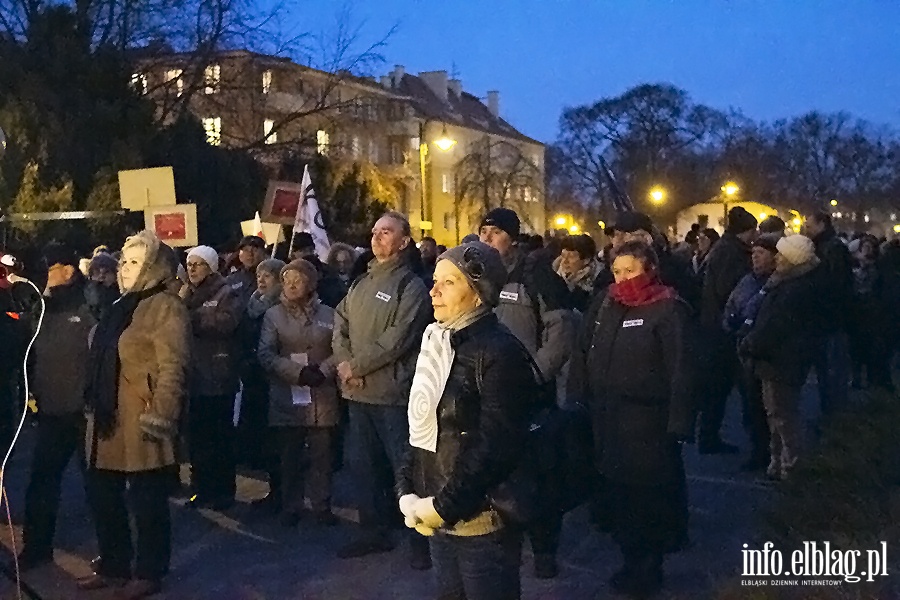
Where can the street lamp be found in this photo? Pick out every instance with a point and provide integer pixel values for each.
(573, 229)
(834, 202)
(729, 189)
(444, 143)
(658, 195)
(561, 221)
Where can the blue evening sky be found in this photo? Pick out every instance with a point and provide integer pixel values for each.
(769, 58)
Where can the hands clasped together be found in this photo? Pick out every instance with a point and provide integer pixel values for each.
(420, 514)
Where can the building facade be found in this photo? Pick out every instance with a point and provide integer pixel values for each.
(271, 105)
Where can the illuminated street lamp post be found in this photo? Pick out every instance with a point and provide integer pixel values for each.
(729, 189)
(443, 143)
(658, 195)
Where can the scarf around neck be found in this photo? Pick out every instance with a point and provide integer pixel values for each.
(102, 390)
(432, 371)
(641, 290)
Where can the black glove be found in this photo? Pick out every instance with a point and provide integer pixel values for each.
(311, 375)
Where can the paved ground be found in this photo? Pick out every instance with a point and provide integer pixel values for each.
(240, 555)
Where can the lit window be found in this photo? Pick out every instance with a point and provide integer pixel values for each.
(139, 82)
(526, 194)
(213, 128)
(414, 143)
(373, 151)
(211, 79)
(175, 75)
(893, 216)
(445, 183)
(266, 81)
(396, 153)
(270, 135)
(322, 140)
(354, 146)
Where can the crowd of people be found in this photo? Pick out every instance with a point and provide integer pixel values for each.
(436, 369)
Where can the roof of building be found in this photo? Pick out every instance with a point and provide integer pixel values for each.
(465, 110)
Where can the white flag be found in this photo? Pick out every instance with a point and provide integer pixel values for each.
(309, 218)
(258, 228)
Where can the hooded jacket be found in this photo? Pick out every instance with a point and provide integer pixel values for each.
(154, 354)
(378, 327)
(215, 312)
(61, 350)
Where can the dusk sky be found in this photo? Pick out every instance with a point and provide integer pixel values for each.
(769, 58)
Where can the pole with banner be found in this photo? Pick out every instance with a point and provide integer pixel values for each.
(309, 218)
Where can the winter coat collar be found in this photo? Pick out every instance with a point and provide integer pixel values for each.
(206, 291)
(463, 335)
(779, 277)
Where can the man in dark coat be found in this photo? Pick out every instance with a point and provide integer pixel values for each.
(835, 282)
(728, 262)
(251, 252)
(60, 366)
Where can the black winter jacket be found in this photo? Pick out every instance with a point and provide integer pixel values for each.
(834, 279)
(727, 263)
(480, 431)
(782, 341)
(639, 376)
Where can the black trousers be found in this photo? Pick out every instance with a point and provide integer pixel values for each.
(252, 429)
(211, 444)
(544, 534)
(144, 496)
(754, 413)
(58, 439)
(721, 375)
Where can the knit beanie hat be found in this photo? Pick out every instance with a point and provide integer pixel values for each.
(271, 265)
(740, 221)
(796, 249)
(769, 241)
(103, 261)
(60, 254)
(482, 267)
(772, 224)
(207, 255)
(305, 268)
(504, 219)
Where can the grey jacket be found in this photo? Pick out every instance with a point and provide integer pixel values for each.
(535, 307)
(61, 351)
(380, 336)
(243, 283)
(285, 333)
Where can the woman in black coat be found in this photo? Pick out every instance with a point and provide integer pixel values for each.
(468, 415)
(637, 383)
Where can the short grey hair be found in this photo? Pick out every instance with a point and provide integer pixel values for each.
(400, 218)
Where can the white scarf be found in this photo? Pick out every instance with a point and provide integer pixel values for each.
(432, 371)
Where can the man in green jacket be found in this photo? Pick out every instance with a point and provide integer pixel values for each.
(377, 333)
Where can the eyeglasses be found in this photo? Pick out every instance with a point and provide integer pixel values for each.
(196, 265)
(473, 264)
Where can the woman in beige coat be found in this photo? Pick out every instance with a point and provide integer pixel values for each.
(295, 351)
(137, 364)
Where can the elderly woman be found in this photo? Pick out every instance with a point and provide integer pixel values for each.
(137, 364)
(295, 350)
(780, 346)
(637, 378)
(467, 421)
(214, 308)
(254, 411)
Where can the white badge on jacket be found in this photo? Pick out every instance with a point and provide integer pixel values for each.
(511, 296)
(632, 323)
(210, 304)
(383, 297)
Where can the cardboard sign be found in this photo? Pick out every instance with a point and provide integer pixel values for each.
(143, 188)
(282, 200)
(272, 232)
(175, 225)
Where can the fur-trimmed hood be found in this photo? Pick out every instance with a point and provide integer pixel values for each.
(159, 266)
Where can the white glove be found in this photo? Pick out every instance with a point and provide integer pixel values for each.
(426, 514)
(407, 507)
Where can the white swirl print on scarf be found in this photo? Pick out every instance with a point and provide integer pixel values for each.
(430, 379)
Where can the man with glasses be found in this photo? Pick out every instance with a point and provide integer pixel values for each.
(378, 329)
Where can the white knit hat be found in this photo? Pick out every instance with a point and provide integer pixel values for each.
(207, 255)
(796, 249)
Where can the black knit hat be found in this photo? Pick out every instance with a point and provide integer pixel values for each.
(252, 240)
(629, 222)
(503, 218)
(740, 221)
(769, 241)
(60, 254)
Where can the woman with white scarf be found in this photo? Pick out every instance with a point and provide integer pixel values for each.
(468, 414)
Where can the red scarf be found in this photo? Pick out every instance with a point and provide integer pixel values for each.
(641, 290)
